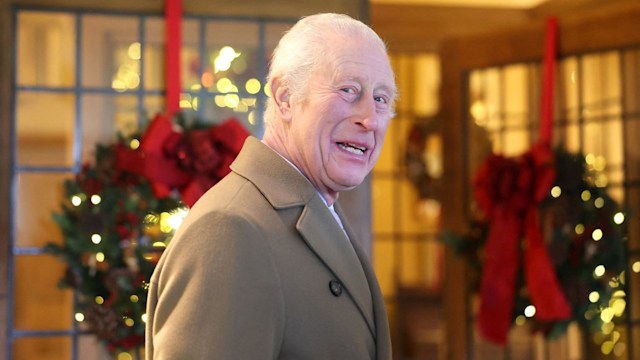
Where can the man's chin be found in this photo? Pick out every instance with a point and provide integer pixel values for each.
(348, 183)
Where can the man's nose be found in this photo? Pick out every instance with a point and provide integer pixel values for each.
(366, 113)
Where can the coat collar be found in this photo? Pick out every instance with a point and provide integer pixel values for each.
(280, 183)
(284, 187)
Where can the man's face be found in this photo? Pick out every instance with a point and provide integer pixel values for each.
(338, 130)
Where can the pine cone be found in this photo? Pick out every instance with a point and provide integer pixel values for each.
(103, 321)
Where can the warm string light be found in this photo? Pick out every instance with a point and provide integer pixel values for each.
(596, 235)
(226, 59)
(79, 317)
(129, 321)
(96, 239)
(608, 337)
(615, 308)
(76, 200)
(127, 77)
(530, 311)
(596, 168)
(124, 356)
(618, 218)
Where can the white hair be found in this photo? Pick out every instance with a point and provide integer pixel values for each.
(302, 49)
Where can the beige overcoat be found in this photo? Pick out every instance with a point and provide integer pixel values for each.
(260, 269)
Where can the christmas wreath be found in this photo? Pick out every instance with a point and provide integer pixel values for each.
(120, 211)
(423, 170)
(581, 242)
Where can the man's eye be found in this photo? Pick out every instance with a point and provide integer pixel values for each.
(349, 90)
(380, 99)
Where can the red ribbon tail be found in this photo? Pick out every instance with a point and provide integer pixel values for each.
(173, 15)
(544, 288)
(498, 283)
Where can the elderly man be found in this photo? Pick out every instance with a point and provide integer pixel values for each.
(265, 265)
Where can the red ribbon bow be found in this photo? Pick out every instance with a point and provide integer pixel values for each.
(190, 162)
(509, 191)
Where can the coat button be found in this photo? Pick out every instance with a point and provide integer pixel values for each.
(336, 287)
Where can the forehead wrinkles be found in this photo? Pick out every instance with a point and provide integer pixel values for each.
(376, 77)
(356, 58)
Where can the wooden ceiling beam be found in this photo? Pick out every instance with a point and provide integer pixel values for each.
(419, 28)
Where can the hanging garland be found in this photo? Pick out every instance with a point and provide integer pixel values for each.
(120, 211)
(584, 234)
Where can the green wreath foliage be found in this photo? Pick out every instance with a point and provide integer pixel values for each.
(109, 221)
(116, 218)
(585, 233)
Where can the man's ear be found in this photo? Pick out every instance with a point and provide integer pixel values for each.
(282, 97)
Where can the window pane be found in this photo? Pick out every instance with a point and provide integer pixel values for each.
(383, 262)
(34, 224)
(104, 116)
(232, 57)
(568, 78)
(515, 142)
(383, 205)
(45, 128)
(421, 263)
(110, 52)
(190, 58)
(417, 215)
(153, 53)
(152, 105)
(601, 85)
(597, 140)
(516, 81)
(39, 303)
(46, 49)
(50, 348)
(570, 139)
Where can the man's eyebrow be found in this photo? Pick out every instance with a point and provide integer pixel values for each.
(391, 90)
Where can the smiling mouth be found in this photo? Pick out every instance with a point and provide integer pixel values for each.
(352, 148)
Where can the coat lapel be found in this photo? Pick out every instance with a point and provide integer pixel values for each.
(325, 237)
(284, 187)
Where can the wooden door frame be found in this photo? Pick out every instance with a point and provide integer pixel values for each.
(589, 30)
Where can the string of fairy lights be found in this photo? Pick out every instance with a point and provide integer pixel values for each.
(223, 62)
